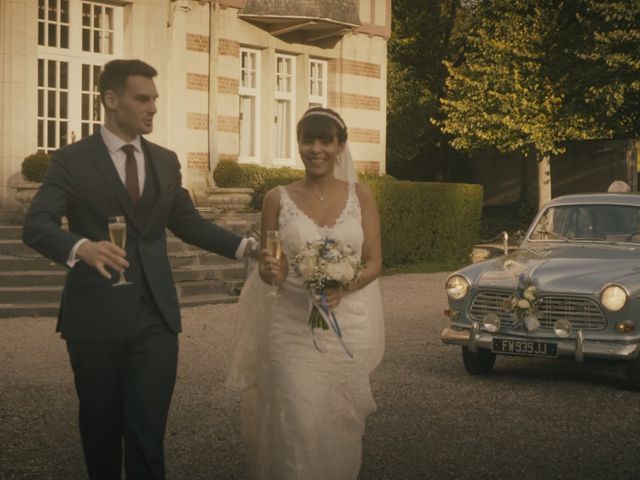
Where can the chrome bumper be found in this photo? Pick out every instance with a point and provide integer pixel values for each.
(578, 348)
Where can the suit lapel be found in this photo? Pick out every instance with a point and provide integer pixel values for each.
(154, 154)
(158, 168)
(104, 164)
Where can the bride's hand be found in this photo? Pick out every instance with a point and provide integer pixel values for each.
(273, 270)
(333, 296)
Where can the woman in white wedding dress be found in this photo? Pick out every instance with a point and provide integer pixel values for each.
(304, 406)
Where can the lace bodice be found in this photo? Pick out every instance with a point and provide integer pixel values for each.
(297, 228)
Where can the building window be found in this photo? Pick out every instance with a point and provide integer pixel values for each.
(53, 23)
(75, 38)
(317, 83)
(249, 103)
(91, 114)
(53, 101)
(97, 28)
(284, 108)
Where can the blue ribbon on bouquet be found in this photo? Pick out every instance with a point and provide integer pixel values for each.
(332, 321)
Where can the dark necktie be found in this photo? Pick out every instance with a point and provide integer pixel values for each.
(131, 174)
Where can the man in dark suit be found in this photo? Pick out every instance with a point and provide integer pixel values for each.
(122, 341)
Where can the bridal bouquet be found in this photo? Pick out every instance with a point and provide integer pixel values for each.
(321, 264)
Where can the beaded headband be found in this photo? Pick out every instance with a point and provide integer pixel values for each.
(326, 114)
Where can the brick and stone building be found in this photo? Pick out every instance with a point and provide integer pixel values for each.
(234, 75)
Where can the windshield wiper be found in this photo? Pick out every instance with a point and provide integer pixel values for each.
(591, 239)
(551, 234)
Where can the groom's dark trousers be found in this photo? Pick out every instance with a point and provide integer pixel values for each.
(122, 341)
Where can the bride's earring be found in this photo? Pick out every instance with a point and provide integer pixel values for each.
(338, 159)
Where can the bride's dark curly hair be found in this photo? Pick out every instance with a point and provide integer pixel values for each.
(321, 123)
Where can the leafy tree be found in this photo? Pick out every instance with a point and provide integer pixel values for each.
(424, 33)
(515, 89)
(609, 36)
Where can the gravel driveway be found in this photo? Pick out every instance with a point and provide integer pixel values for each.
(530, 419)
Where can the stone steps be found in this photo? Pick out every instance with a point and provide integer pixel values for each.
(51, 309)
(15, 247)
(55, 278)
(10, 263)
(10, 232)
(28, 278)
(31, 285)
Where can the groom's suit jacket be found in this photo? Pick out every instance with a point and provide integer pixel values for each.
(82, 184)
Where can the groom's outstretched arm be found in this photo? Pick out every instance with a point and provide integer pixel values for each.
(187, 224)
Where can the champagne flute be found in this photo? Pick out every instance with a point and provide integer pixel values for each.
(275, 248)
(118, 236)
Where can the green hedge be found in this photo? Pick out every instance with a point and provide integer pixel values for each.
(229, 173)
(419, 221)
(425, 222)
(263, 179)
(34, 166)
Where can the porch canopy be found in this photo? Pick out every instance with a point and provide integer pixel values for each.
(316, 19)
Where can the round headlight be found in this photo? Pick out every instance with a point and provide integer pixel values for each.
(457, 287)
(562, 328)
(491, 322)
(614, 297)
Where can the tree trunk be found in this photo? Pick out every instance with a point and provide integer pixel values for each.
(444, 163)
(544, 178)
(529, 179)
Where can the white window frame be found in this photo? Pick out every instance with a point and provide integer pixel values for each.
(251, 92)
(75, 58)
(318, 73)
(287, 95)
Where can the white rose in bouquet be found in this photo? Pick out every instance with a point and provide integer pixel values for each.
(307, 266)
(353, 261)
(332, 255)
(523, 303)
(340, 272)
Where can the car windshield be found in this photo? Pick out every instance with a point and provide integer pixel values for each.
(605, 223)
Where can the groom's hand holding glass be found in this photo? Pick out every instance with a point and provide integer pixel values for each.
(100, 255)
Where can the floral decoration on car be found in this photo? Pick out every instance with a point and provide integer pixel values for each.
(523, 303)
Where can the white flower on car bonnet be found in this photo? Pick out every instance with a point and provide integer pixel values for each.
(523, 303)
(530, 293)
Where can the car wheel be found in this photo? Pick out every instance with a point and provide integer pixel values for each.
(633, 375)
(479, 363)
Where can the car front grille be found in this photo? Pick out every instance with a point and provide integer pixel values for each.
(583, 313)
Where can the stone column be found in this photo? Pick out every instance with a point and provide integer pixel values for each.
(18, 86)
(146, 37)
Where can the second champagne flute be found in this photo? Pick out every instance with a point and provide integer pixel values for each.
(275, 248)
(118, 236)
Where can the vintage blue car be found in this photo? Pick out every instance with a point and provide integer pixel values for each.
(571, 289)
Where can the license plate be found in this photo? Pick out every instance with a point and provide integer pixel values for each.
(529, 348)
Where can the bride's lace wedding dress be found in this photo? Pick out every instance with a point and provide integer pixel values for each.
(303, 411)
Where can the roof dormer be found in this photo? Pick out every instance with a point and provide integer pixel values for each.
(315, 19)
